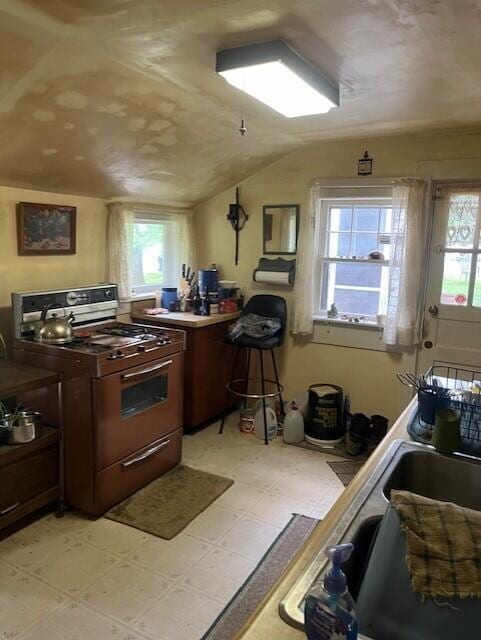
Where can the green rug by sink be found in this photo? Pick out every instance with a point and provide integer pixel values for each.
(167, 505)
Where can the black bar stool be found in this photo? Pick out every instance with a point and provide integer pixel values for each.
(270, 307)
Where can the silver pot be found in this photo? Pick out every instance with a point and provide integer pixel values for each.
(54, 330)
(23, 427)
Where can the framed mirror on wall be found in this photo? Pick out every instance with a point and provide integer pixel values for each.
(280, 228)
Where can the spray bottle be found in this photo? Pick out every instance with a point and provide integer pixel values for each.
(329, 609)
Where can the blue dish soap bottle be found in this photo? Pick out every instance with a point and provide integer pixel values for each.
(329, 609)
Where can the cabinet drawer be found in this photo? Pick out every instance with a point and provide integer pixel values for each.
(28, 477)
(115, 483)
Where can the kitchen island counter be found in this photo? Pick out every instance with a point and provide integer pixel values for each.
(266, 622)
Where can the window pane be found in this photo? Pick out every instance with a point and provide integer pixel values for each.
(357, 302)
(340, 218)
(339, 245)
(147, 254)
(457, 267)
(463, 213)
(361, 275)
(477, 285)
(364, 243)
(386, 218)
(366, 219)
(342, 284)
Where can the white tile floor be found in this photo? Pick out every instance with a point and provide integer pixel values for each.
(82, 579)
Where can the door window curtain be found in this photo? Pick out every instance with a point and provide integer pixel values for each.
(121, 217)
(408, 242)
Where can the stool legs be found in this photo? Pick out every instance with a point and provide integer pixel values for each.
(234, 366)
(283, 413)
(246, 389)
(263, 383)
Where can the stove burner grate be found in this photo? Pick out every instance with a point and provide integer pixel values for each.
(125, 331)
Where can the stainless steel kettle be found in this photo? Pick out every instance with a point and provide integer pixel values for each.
(54, 330)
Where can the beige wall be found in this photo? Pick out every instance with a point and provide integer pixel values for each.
(20, 273)
(368, 376)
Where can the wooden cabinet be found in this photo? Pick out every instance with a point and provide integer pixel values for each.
(29, 473)
(208, 365)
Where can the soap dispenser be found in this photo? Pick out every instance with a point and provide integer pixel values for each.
(329, 609)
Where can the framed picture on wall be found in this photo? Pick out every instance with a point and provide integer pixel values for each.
(45, 229)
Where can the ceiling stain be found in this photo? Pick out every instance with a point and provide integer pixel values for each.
(44, 115)
(127, 88)
(71, 100)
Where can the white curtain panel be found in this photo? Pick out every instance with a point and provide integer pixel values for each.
(187, 248)
(408, 237)
(119, 230)
(303, 321)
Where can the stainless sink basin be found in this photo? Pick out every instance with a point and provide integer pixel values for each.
(445, 478)
(406, 465)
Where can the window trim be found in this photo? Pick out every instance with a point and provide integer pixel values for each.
(322, 259)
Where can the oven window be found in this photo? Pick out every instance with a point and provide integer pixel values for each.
(141, 396)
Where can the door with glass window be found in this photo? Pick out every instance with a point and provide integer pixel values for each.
(452, 314)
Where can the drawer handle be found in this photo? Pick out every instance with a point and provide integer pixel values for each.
(4, 512)
(146, 454)
(135, 374)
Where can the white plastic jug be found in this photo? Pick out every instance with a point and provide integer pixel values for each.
(271, 420)
(293, 431)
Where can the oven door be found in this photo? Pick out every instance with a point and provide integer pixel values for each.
(136, 406)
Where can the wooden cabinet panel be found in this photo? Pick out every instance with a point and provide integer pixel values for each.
(28, 477)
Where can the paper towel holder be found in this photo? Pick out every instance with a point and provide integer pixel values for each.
(275, 271)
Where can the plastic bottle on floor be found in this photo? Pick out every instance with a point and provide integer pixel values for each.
(271, 419)
(293, 431)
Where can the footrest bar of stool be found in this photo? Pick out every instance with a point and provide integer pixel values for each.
(245, 381)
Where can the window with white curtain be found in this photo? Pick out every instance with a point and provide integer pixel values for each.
(155, 259)
(348, 230)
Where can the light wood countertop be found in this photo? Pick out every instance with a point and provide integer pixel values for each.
(265, 623)
(187, 319)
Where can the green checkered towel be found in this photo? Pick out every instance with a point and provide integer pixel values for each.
(443, 542)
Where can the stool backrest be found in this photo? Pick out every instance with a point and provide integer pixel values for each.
(271, 307)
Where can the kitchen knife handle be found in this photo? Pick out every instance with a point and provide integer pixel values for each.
(147, 454)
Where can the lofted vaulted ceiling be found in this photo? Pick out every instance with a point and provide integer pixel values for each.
(119, 97)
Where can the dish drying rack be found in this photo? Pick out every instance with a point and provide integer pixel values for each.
(457, 388)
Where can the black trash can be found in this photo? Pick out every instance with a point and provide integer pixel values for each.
(325, 414)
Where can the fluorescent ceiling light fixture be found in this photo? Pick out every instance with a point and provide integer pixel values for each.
(276, 75)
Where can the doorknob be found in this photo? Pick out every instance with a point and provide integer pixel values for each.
(433, 310)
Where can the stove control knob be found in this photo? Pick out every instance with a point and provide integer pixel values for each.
(119, 354)
(72, 298)
(141, 348)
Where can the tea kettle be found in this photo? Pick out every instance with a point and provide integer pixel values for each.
(54, 330)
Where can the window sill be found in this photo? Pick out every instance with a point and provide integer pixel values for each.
(363, 324)
(140, 296)
(353, 335)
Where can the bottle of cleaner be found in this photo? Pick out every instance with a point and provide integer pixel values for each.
(293, 431)
(329, 608)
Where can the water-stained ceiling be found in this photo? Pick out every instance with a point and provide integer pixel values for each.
(119, 97)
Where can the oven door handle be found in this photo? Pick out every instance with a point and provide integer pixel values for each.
(147, 454)
(136, 374)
